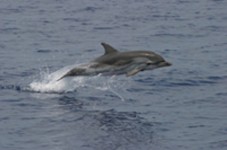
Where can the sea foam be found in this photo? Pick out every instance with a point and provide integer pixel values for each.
(48, 83)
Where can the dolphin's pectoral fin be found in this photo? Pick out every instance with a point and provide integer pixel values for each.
(133, 72)
(136, 70)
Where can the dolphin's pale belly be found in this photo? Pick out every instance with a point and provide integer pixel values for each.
(92, 69)
(95, 69)
(108, 70)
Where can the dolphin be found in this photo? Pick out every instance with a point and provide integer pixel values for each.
(114, 62)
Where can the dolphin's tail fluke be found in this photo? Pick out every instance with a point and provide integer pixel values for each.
(66, 75)
(74, 72)
(62, 77)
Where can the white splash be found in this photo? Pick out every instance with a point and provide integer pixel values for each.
(49, 84)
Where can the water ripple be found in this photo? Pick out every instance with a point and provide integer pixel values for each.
(10, 87)
(125, 130)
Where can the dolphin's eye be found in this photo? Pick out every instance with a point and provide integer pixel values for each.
(149, 63)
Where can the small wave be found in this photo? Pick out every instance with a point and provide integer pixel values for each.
(124, 130)
(43, 51)
(9, 87)
(105, 28)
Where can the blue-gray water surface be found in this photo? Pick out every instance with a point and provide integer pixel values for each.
(182, 107)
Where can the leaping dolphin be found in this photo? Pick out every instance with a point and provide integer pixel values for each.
(114, 62)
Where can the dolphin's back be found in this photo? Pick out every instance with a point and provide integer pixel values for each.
(122, 58)
(114, 59)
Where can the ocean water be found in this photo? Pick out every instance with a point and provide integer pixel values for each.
(182, 107)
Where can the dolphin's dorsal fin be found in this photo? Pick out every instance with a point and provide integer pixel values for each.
(108, 49)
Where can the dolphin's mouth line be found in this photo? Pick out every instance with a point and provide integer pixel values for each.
(160, 63)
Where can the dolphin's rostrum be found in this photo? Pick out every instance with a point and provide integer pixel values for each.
(114, 62)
